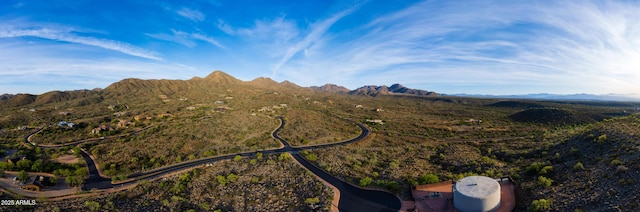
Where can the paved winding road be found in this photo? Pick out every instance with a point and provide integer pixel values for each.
(352, 198)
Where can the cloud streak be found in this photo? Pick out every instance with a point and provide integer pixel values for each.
(186, 39)
(570, 47)
(65, 34)
(51, 66)
(193, 15)
(317, 30)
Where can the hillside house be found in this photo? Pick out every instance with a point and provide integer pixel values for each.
(265, 109)
(473, 121)
(65, 124)
(102, 128)
(36, 183)
(124, 124)
(376, 121)
(141, 118)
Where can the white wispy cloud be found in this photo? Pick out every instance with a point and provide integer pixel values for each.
(277, 30)
(66, 34)
(317, 30)
(186, 39)
(63, 67)
(192, 14)
(566, 46)
(270, 37)
(205, 38)
(225, 27)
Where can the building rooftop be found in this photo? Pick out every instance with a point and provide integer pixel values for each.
(477, 186)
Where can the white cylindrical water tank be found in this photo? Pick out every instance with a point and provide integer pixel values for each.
(476, 193)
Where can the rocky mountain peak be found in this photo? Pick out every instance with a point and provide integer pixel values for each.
(332, 88)
(220, 77)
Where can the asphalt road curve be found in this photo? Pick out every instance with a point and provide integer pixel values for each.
(94, 180)
(352, 198)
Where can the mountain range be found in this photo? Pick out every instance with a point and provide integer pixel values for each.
(196, 86)
(219, 79)
(373, 90)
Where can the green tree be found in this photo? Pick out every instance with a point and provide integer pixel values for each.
(255, 179)
(602, 138)
(540, 168)
(232, 177)
(74, 180)
(366, 181)
(23, 175)
(76, 151)
(283, 156)
(428, 179)
(237, 158)
(314, 200)
(312, 157)
(92, 205)
(6, 166)
(540, 205)
(185, 178)
(546, 170)
(95, 152)
(393, 186)
(37, 165)
(259, 155)
(222, 180)
(209, 153)
(81, 171)
(578, 166)
(544, 181)
(24, 164)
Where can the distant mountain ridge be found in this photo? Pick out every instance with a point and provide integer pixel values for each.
(6, 96)
(547, 96)
(372, 90)
(332, 88)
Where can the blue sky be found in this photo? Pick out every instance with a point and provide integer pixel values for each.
(480, 47)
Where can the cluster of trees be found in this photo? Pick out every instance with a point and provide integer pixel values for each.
(37, 160)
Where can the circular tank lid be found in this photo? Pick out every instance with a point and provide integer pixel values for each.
(477, 186)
